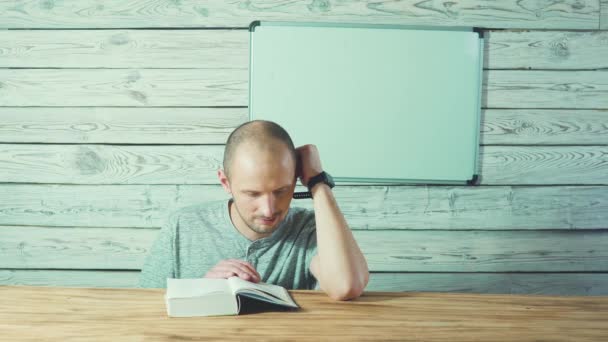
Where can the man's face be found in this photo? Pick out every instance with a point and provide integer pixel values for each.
(262, 182)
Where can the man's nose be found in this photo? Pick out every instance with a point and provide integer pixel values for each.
(268, 207)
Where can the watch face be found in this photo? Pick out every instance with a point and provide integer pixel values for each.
(321, 177)
(330, 180)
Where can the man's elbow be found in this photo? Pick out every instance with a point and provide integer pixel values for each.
(349, 290)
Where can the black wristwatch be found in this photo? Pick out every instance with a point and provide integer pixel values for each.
(322, 177)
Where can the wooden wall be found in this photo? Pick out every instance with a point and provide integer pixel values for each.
(113, 113)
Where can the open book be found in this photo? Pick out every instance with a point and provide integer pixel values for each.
(214, 297)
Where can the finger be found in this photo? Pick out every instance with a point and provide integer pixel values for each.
(240, 272)
(249, 277)
(248, 265)
(241, 264)
(230, 274)
(220, 274)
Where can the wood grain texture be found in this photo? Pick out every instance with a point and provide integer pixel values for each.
(27, 313)
(124, 125)
(229, 87)
(563, 284)
(101, 164)
(604, 15)
(544, 165)
(213, 125)
(123, 87)
(484, 251)
(569, 14)
(206, 49)
(179, 164)
(542, 126)
(546, 50)
(545, 89)
(70, 278)
(222, 49)
(365, 207)
(385, 250)
(219, 63)
(75, 248)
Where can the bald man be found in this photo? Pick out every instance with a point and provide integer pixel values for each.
(256, 235)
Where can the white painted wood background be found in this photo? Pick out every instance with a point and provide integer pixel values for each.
(113, 114)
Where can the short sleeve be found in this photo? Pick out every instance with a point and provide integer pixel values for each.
(311, 251)
(159, 263)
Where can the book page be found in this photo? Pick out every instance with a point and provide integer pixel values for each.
(186, 288)
(273, 293)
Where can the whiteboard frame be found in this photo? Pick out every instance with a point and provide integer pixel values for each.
(475, 178)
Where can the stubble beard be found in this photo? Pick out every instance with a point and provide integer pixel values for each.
(253, 226)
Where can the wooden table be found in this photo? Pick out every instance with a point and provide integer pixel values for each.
(64, 314)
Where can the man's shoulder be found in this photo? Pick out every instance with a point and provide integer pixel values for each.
(301, 211)
(303, 217)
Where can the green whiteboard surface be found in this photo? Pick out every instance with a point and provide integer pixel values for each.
(392, 104)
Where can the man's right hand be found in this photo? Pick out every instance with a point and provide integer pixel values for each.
(234, 267)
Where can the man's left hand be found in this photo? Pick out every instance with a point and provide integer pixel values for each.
(308, 163)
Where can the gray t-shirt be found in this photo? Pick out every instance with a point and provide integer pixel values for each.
(197, 237)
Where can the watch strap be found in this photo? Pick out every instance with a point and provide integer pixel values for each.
(321, 177)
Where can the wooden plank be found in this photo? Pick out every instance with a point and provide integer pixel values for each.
(544, 165)
(207, 49)
(122, 125)
(179, 49)
(604, 15)
(98, 206)
(213, 125)
(63, 314)
(59, 248)
(385, 250)
(562, 284)
(119, 125)
(545, 89)
(542, 126)
(558, 284)
(484, 251)
(70, 278)
(568, 14)
(365, 207)
(123, 87)
(546, 50)
(179, 164)
(228, 87)
(101, 164)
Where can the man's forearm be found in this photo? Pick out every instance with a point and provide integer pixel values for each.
(343, 270)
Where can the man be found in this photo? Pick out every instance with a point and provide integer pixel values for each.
(256, 235)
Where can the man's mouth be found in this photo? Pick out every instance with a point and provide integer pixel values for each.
(267, 221)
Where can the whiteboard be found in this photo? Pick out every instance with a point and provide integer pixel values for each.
(383, 103)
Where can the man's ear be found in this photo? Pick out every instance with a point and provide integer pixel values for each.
(224, 181)
(298, 165)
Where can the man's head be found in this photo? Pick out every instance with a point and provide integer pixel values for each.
(260, 174)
